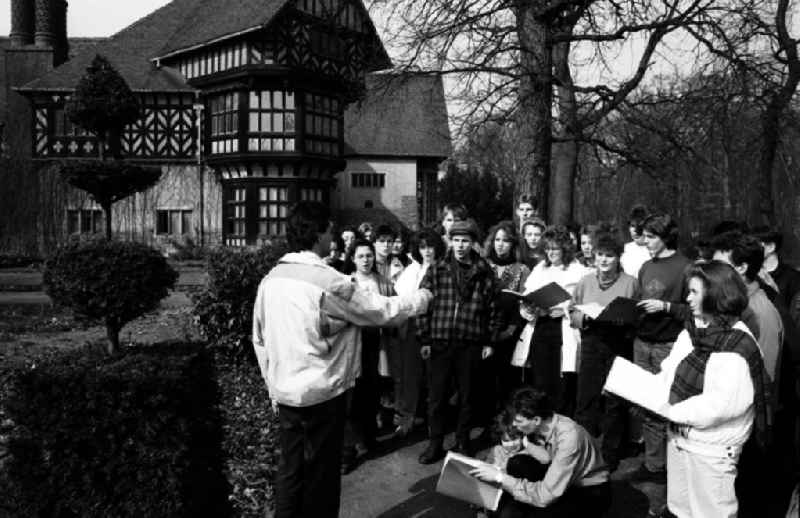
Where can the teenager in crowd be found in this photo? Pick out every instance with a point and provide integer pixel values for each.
(309, 376)
(554, 343)
(335, 258)
(451, 213)
(400, 249)
(746, 256)
(427, 247)
(365, 230)
(718, 395)
(530, 244)
(386, 263)
(560, 472)
(588, 234)
(361, 432)
(603, 415)
(635, 252)
(663, 290)
(454, 334)
(500, 250)
(786, 277)
(526, 209)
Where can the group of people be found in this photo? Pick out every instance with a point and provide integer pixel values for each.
(358, 321)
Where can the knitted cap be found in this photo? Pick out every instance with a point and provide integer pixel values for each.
(464, 228)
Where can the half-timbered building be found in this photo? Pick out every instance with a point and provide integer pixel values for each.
(263, 87)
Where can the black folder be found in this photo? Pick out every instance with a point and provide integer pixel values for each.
(545, 297)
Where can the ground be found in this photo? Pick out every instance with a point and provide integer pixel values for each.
(388, 484)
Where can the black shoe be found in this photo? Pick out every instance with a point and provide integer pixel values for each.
(433, 453)
(642, 474)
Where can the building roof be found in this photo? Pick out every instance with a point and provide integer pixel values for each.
(401, 115)
(129, 51)
(179, 25)
(207, 22)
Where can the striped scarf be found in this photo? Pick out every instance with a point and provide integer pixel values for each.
(690, 373)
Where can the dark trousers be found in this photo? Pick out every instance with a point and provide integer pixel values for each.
(309, 477)
(411, 374)
(447, 362)
(545, 361)
(584, 502)
(599, 414)
(363, 402)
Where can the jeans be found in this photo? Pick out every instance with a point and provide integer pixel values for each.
(309, 478)
(410, 375)
(700, 485)
(649, 356)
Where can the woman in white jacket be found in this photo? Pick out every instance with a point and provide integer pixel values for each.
(553, 344)
(717, 388)
(427, 247)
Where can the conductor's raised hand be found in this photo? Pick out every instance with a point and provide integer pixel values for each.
(425, 352)
(486, 352)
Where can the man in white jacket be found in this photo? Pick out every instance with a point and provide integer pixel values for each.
(308, 347)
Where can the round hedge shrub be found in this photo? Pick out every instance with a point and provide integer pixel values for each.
(112, 282)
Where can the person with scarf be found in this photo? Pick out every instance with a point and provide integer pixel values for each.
(718, 393)
(500, 250)
(603, 415)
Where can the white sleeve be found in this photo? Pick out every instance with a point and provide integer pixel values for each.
(727, 393)
(259, 346)
(372, 309)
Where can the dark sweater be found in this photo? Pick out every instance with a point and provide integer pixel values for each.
(663, 279)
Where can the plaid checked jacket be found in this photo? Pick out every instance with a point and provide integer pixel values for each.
(466, 313)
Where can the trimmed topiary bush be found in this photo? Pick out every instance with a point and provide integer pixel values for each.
(112, 282)
(224, 310)
(126, 436)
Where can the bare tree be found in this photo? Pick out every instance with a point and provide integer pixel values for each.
(506, 58)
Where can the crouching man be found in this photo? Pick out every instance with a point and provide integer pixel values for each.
(575, 481)
(308, 347)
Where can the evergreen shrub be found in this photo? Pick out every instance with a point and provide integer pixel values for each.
(133, 435)
(224, 310)
(108, 281)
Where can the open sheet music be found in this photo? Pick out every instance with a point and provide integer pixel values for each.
(638, 386)
(545, 297)
(455, 481)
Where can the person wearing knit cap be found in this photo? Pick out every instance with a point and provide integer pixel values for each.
(455, 333)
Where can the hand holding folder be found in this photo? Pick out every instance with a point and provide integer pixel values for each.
(545, 297)
(456, 481)
(620, 311)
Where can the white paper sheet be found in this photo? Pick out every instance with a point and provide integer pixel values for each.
(455, 481)
(631, 382)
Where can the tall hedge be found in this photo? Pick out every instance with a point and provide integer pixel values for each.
(127, 436)
(224, 310)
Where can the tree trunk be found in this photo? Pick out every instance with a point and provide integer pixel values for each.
(107, 211)
(770, 122)
(112, 334)
(565, 152)
(534, 116)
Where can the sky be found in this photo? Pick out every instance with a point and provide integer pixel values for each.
(93, 17)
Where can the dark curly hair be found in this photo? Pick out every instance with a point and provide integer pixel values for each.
(559, 236)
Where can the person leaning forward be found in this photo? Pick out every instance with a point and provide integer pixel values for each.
(309, 349)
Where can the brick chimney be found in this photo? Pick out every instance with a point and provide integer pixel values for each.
(45, 28)
(61, 43)
(22, 20)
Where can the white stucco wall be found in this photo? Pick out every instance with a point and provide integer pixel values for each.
(397, 199)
